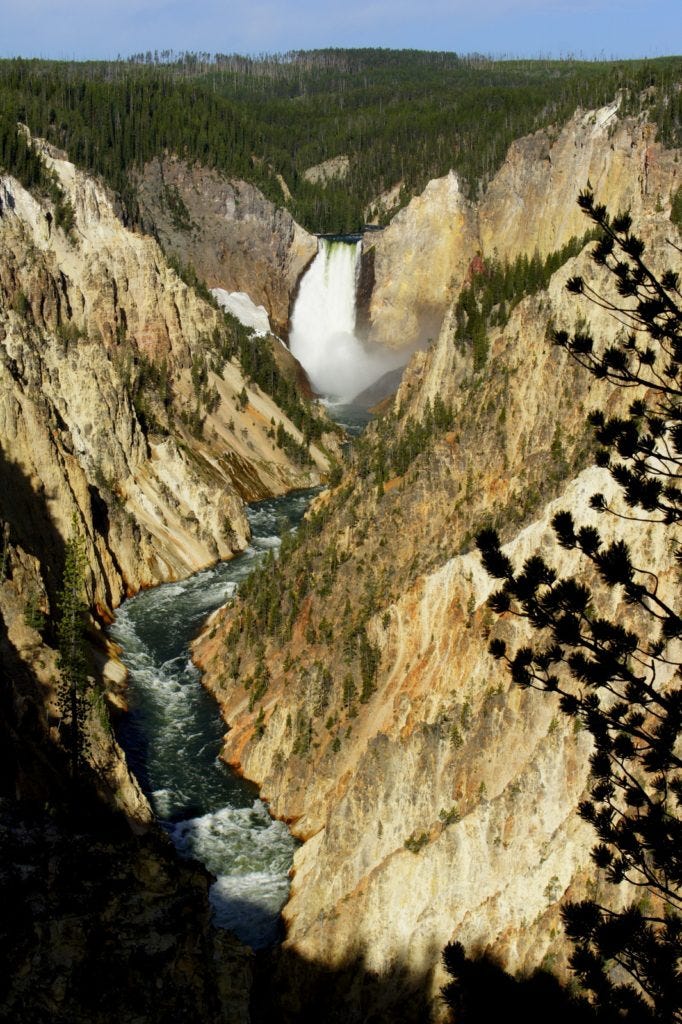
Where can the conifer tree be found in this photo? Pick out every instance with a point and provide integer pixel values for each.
(71, 661)
(620, 677)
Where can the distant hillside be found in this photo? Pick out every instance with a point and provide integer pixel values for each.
(399, 116)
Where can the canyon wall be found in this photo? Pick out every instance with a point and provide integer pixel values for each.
(425, 254)
(238, 240)
(100, 920)
(424, 251)
(107, 366)
(125, 419)
(434, 800)
(234, 237)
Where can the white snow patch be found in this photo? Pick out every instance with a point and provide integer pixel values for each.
(245, 310)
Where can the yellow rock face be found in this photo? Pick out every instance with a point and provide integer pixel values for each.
(531, 205)
(444, 807)
(418, 259)
(76, 314)
(422, 258)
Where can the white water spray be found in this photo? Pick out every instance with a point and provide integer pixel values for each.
(322, 335)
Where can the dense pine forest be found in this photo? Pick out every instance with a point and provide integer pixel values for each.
(401, 117)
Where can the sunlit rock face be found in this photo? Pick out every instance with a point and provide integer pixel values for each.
(444, 806)
(235, 238)
(77, 314)
(530, 204)
(421, 259)
(337, 167)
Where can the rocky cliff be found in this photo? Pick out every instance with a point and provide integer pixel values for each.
(424, 251)
(126, 418)
(234, 237)
(238, 240)
(100, 920)
(434, 801)
(112, 403)
(423, 256)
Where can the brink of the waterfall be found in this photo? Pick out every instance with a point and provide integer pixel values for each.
(322, 337)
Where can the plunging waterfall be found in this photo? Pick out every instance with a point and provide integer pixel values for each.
(322, 335)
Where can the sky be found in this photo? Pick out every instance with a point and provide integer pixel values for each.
(80, 29)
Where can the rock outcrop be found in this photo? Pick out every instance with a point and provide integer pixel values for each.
(110, 400)
(529, 205)
(334, 169)
(424, 255)
(424, 251)
(434, 801)
(100, 919)
(234, 237)
(125, 418)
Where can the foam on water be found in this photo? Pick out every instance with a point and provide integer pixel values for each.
(250, 854)
(173, 737)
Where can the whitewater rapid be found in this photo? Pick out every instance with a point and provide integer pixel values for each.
(173, 734)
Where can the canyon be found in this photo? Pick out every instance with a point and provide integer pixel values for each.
(432, 798)
(125, 421)
(442, 803)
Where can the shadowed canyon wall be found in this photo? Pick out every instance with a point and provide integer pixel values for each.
(234, 237)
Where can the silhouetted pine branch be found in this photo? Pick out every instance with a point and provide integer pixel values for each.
(620, 680)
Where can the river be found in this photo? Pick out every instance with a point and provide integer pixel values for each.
(172, 737)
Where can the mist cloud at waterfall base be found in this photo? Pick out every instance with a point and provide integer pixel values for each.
(338, 363)
(343, 366)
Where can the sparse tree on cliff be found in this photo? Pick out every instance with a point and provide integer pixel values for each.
(71, 644)
(620, 677)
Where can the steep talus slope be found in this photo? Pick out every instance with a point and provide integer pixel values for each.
(233, 236)
(434, 801)
(422, 258)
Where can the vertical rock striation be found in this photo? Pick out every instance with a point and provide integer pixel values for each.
(125, 416)
(436, 802)
(83, 318)
(425, 254)
(234, 237)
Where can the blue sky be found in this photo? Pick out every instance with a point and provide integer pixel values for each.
(105, 28)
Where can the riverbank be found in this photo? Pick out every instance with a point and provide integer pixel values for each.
(173, 732)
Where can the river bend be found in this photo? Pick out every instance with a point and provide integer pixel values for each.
(172, 737)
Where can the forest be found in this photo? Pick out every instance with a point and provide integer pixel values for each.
(401, 117)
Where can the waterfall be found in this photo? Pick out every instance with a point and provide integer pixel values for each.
(322, 337)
